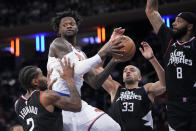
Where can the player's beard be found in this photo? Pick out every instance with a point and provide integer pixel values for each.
(69, 35)
(179, 33)
(130, 81)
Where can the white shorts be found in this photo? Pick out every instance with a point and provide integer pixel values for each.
(88, 119)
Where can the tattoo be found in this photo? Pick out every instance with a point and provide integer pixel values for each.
(152, 4)
(73, 92)
(60, 47)
(153, 14)
(156, 21)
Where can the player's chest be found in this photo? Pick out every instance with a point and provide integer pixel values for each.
(129, 101)
(181, 54)
(79, 54)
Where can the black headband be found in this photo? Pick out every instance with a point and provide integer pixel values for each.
(188, 16)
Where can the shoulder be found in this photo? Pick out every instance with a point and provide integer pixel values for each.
(48, 96)
(16, 104)
(59, 47)
(147, 87)
(59, 42)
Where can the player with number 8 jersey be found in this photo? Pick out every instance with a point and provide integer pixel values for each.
(180, 66)
(179, 53)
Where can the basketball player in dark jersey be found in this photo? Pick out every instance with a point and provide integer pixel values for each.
(40, 109)
(179, 53)
(131, 105)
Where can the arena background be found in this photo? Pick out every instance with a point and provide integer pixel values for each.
(26, 33)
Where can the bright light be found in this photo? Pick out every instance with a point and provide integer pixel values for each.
(42, 43)
(92, 41)
(103, 34)
(12, 47)
(168, 21)
(99, 34)
(85, 40)
(17, 47)
(37, 43)
(163, 20)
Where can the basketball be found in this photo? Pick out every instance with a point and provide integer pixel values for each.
(129, 49)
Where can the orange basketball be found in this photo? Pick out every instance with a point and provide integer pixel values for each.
(129, 49)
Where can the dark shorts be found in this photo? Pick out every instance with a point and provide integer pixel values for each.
(181, 116)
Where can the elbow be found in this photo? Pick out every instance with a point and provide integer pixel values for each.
(149, 11)
(163, 88)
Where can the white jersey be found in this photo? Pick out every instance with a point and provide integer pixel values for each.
(89, 118)
(60, 85)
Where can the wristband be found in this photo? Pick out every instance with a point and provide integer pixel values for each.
(151, 57)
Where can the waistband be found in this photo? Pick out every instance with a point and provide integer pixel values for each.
(62, 94)
(183, 99)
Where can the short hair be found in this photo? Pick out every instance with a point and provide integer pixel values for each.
(70, 13)
(26, 75)
(13, 127)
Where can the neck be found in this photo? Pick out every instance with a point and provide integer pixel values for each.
(131, 86)
(185, 37)
(71, 40)
(28, 94)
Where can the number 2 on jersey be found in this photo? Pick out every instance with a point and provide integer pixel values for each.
(30, 121)
(179, 72)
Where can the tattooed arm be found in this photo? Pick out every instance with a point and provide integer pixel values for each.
(153, 14)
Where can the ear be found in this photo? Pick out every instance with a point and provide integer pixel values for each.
(190, 27)
(77, 28)
(140, 78)
(34, 82)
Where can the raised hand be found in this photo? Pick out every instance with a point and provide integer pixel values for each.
(112, 48)
(117, 33)
(49, 82)
(68, 71)
(147, 51)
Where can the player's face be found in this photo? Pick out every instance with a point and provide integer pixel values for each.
(180, 27)
(68, 27)
(131, 74)
(41, 81)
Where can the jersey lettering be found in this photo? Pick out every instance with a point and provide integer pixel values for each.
(128, 95)
(178, 57)
(179, 72)
(30, 122)
(128, 107)
(28, 109)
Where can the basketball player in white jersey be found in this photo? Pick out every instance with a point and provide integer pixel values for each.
(65, 46)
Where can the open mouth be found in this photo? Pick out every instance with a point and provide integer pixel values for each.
(70, 30)
(128, 76)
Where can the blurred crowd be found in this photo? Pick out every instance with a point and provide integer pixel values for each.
(24, 12)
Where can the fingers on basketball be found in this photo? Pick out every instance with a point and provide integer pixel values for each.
(128, 49)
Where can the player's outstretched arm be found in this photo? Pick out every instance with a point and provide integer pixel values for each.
(100, 77)
(72, 103)
(158, 87)
(84, 66)
(153, 14)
